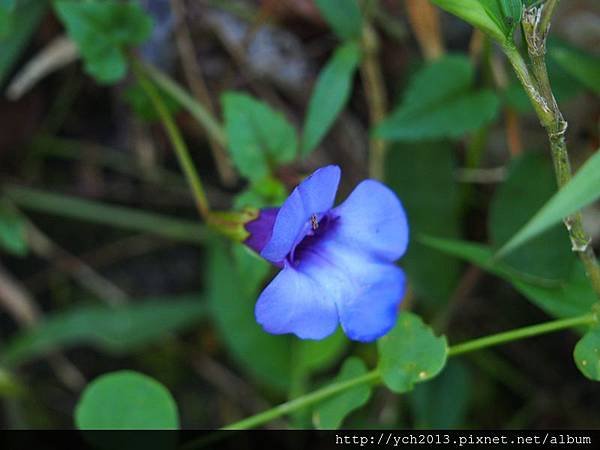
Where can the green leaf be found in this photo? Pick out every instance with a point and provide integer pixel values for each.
(13, 238)
(20, 22)
(573, 297)
(587, 354)
(330, 413)
(126, 400)
(7, 9)
(439, 103)
(259, 138)
(568, 298)
(102, 30)
(422, 176)
(583, 189)
(343, 16)
(114, 330)
(330, 95)
(514, 202)
(310, 356)
(411, 353)
(487, 15)
(442, 403)
(262, 193)
(234, 278)
(581, 65)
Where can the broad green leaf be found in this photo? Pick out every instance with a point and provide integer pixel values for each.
(411, 353)
(13, 237)
(568, 298)
(330, 94)
(422, 176)
(582, 190)
(115, 330)
(343, 16)
(514, 203)
(102, 30)
(259, 138)
(439, 103)
(587, 354)
(7, 10)
(487, 15)
(442, 403)
(265, 192)
(574, 296)
(234, 278)
(126, 400)
(581, 65)
(310, 356)
(20, 22)
(330, 413)
(436, 82)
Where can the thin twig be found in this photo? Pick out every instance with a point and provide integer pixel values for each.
(376, 96)
(425, 22)
(17, 301)
(195, 80)
(179, 145)
(85, 275)
(60, 52)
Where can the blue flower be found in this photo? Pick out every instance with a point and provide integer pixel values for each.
(337, 263)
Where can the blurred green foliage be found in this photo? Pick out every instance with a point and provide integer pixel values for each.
(440, 102)
(442, 122)
(102, 30)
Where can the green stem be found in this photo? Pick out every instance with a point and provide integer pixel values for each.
(536, 23)
(375, 94)
(181, 150)
(519, 333)
(374, 377)
(196, 109)
(301, 402)
(102, 213)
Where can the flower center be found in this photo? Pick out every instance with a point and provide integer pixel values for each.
(316, 230)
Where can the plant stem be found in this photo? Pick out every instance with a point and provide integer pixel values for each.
(198, 88)
(199, 112)
(536, 23)
(374, 377)
(102, 213)
(181, 150)
(375, 94)
(519, 333)
(305, 400)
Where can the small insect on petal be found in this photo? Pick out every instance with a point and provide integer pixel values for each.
(314, 222)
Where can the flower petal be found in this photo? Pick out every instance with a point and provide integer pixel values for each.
(294, 303)
(314, 195)
(373, 311)
(366, 290)
(372, 220)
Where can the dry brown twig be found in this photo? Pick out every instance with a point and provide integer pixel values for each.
(19, 304)
(195, 80)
